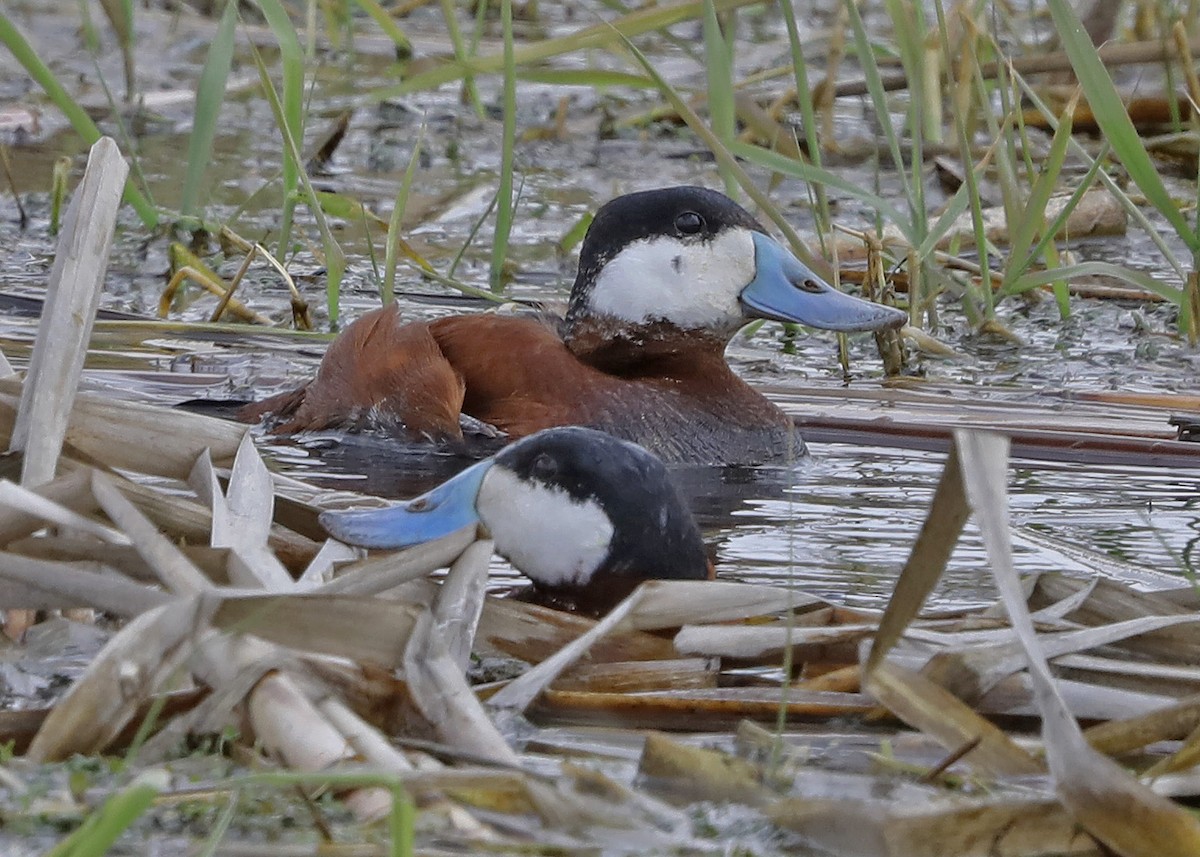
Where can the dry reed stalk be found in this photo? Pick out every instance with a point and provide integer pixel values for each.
(72, 296)
(459, 602)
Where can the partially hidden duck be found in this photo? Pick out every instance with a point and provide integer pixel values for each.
(666, 278)
(584, 515)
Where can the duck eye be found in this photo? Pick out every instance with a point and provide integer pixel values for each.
(544, 467)
(689, 223)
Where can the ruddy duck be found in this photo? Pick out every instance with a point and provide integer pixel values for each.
(666, 278)
(585, 516)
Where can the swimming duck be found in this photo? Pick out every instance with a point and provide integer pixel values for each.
(666, 278)
(582, 514)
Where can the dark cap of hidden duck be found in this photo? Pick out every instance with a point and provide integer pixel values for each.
(582, 514)
(666, 278)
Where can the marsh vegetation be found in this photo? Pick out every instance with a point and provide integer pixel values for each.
(1028, 198)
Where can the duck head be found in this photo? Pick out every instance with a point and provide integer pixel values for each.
(694, 260)
(584, 515)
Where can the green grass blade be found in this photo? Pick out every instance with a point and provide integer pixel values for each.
(963, 84)
(335, 257)
(480, 24)
(727, 160)
(1098, 269)
(388, 292)
(291, 116)
(213, 844)
(471, 233)
(911, 33)
(596, 36)
(719, 71)
(808, 114)
(1045, 247)
(12, 39)
(684, 44)
(404, 48)
(959, 203)
(1131, 208)
(912, 225)
(812, 173)
(346, 207)
(1033, 218)
(125, 139)
(504, 205)
(1113, 120)
(450, 15)
(105, 825)
(1005, 151)
(402, 824)
(59, 178)
(574, 235)
(120, 17)
(1189, 308)
(210, 95)
(598, 78)
(924, 108)
(1189, 313)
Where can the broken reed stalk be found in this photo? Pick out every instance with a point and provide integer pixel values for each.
(72, 297)
(300, 690)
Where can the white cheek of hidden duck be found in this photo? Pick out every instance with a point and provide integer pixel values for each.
(552, 537)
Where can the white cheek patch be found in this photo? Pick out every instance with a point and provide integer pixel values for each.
(554, 539)
(690, 285)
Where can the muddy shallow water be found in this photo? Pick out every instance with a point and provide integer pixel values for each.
(839, 524)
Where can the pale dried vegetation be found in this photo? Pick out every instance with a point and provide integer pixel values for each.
(908, 732)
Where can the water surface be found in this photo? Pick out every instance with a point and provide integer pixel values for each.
(840, 524)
